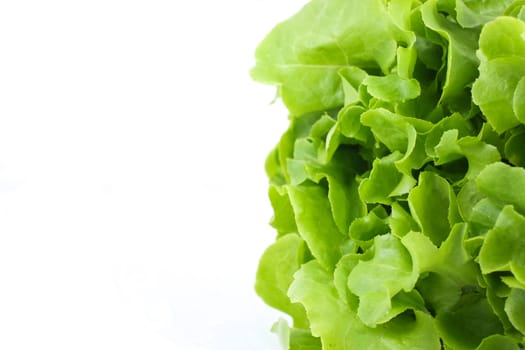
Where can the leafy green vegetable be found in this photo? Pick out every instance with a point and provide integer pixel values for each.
(277, 266)
(398, 189)
(497, 91)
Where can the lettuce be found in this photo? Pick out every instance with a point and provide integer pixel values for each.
(398, 189)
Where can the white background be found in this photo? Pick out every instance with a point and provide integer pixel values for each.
(133, 204)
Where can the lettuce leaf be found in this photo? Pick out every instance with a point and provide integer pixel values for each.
(398, 189)
(340, 329)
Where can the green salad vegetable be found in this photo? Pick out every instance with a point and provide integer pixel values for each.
(399, 187)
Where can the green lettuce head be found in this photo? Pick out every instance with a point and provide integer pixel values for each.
(399, 187)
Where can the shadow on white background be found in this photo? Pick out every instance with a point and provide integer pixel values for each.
(133, 204)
